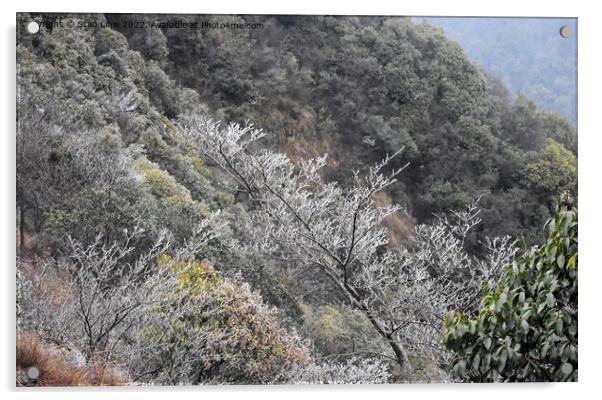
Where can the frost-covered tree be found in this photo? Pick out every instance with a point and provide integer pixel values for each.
(355, 370)
(404, 292)
(163, 315)
(97, 296)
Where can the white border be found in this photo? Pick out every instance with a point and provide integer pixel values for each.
(590, 279)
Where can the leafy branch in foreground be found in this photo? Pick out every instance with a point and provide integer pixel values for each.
(526, 329)
(405, 292)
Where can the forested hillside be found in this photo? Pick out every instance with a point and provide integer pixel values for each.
(364, 86)
(544, 67)
(179, 222)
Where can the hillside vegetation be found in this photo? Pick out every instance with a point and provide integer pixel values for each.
(232, 251)
(543, 67)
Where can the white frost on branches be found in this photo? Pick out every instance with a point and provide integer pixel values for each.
(299, 216)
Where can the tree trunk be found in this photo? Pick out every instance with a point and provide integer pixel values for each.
(400, 355)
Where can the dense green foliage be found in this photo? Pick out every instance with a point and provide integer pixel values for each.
(527, 327)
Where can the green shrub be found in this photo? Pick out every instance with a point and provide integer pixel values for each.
(225, 331)
(527, 327)
(161, 184)
(554, 171)
(200, 166)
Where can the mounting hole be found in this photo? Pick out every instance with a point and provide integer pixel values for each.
(33, 373)
(32, 27)
(566, 31)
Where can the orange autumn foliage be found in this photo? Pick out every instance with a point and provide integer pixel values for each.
(55, 369)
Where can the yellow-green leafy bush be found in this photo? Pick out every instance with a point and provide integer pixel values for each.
(225, 333)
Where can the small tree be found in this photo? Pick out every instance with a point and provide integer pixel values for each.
(527, 327)
(97, 296)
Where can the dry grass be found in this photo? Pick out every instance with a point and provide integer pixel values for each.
(298, 150)
(103, 374)
(28, 241)
(29, 353)
(55, 370)
(400, 228)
